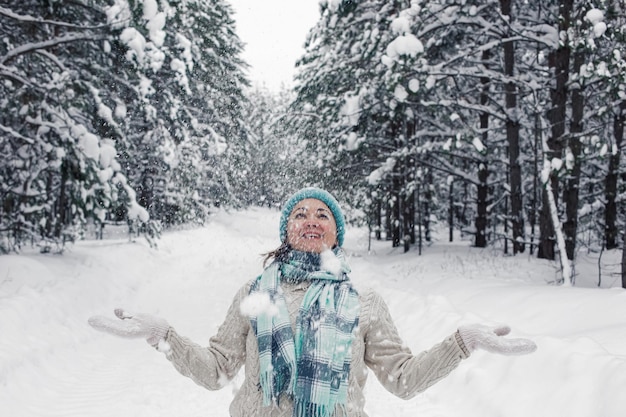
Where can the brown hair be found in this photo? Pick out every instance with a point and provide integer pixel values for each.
(277, 253)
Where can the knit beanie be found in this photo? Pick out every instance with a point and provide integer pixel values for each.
(318, 194)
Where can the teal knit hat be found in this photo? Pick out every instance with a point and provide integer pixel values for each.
(318, 194)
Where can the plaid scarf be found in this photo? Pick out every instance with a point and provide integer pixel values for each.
(313, 365)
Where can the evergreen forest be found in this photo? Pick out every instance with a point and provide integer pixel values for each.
(501, 120)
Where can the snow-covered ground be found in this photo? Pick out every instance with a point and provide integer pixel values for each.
(53, 364)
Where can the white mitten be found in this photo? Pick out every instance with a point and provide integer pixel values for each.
(478, 336)
(133, 326)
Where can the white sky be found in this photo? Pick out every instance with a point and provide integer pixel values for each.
(274, 32)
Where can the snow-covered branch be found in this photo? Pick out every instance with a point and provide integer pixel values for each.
(16, 134)
(30, 19)
(34, 46)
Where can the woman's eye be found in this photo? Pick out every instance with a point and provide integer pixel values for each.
(299, 216)
(323, 216)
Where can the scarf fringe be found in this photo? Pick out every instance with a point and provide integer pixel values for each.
(308, 409)
(266, 381)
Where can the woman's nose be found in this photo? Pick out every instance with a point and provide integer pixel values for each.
(312, 223)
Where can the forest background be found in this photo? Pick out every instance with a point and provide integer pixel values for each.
(501, 119)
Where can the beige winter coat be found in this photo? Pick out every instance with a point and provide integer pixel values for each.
(376, 346)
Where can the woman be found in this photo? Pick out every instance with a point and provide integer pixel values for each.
(304, 334)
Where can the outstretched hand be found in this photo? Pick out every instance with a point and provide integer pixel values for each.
(478, 336)
(132, 326)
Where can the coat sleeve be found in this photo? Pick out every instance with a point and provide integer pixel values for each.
(398, 370)
(214, 366)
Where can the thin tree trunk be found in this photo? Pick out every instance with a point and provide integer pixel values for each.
(512, 134)
(535, 200)
(571, 190)
(566, 267)
(412, 213)
(386, 209)
(379, 218)
(610, 182)
(396, 212)
(62, 201)
(451, 211)
(624, 266)
(559, 61)
(482, 192)
(407, 220)
(428, 198)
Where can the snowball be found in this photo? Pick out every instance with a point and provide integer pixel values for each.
(330, 262)
(164, 347)
(256, 304)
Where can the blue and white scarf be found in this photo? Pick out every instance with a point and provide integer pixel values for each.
(313, 365)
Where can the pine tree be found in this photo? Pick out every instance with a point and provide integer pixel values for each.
(59, 173)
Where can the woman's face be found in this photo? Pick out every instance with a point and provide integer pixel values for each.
(311, 227)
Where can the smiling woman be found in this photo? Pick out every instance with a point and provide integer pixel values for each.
(307, 352)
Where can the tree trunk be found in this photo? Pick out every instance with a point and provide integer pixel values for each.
(482, 192)
(412, 214)
(559, 62)
(378, 217)
(571, 190)
(407, 220)
(624, 267)
(534, 204)
(610, 182)
(388, 218)
(61, 202)
(428, 199)
(512, 134)
(451, 211)
(396, 212)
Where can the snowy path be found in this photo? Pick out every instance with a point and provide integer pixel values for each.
(53, 365)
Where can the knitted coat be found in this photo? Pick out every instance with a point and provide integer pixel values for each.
(376, 346)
